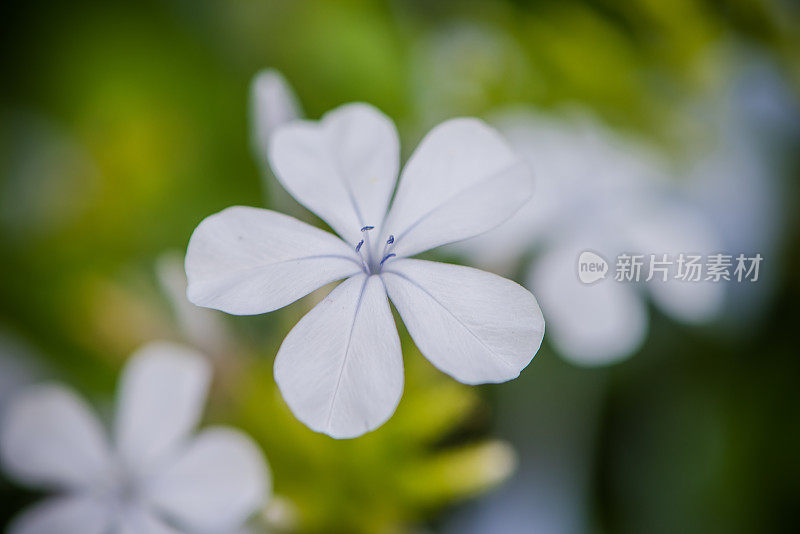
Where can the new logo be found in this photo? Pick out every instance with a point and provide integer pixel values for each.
(591, 267)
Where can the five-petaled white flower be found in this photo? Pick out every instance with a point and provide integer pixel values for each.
(340, 369)
(153, 479)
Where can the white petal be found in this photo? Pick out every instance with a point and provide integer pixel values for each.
(142, 521)
(215, 485)
(595, 324)
(473, 325)
(63, 515)
(247, 261)
(343, 168)
(51, 438)
(460, 182)
(340, 369)
(161, 397)
(272, 104)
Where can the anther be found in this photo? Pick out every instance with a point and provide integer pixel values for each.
(387, 257)
(387, 247)
(367, 228)
(358, 247)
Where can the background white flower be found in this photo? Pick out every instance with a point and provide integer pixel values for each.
(202, 328)
(340, 369)
(596, 190)
(273, 103)
(152, 477)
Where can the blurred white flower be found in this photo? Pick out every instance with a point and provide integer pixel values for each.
(340, 369)
(153, 477)
(272, 104)
(601, 192)
(201, 327)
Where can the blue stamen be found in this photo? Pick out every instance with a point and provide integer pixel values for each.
(387, 257)
(367, 228)
(358, 247)
(390, 240)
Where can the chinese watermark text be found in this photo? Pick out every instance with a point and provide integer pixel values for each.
(717, 267)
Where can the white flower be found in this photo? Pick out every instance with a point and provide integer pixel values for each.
(340, 369)
(152, 477)
(602, 192)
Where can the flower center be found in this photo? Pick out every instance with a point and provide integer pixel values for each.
(120, 489)
(370, 261)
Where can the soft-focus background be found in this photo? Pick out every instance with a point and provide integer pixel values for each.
(124, 124)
